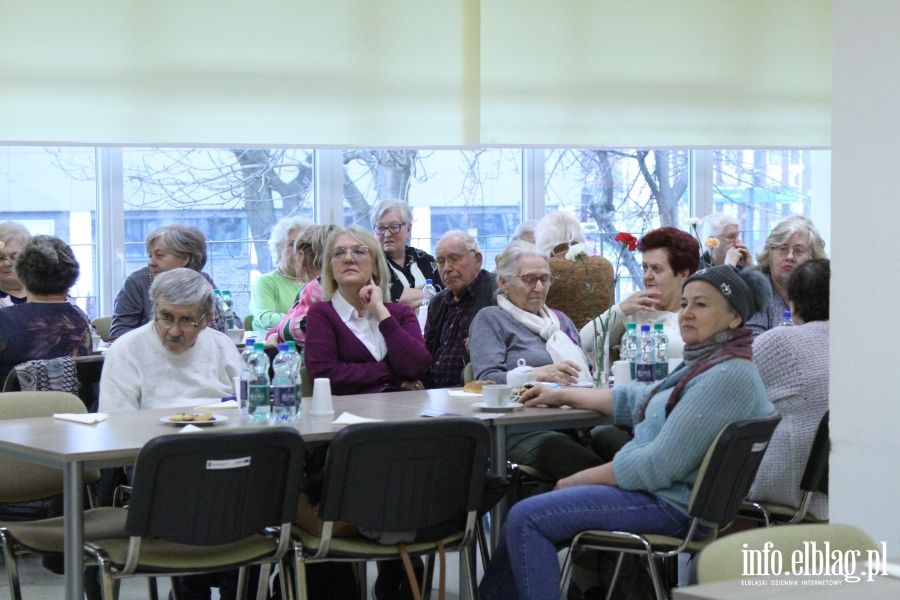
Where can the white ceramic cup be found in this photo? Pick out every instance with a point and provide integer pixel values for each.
(496, 395)
(621, 372)
(321, 398)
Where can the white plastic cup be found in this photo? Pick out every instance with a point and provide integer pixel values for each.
(621, 372)
(497, 395)
(321, 398)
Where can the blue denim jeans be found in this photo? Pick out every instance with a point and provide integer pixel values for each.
(525, 565)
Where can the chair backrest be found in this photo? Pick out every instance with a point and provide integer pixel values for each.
(306, 382)
(815, 476)
(89, 370)
(468, 373)
(12, 382)
(248, 323)
(210, 489)
(725, 558)
(729, 467)
(24, 481)
(407, 476)
(102, 325)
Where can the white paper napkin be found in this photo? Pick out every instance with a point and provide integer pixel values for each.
(190, 429)
(462, 394)
(87, 418)
(348, 419)
(218, 405)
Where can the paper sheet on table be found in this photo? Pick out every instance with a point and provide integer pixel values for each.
(348, 419)
(190, 429)
(462, 394)
(87, 418)
(218, 405)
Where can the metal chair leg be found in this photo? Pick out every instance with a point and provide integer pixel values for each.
(154, 592)
(482, 542)
(657, 584)
(262, 587)
(469, 582)
(427, 576)
(615, 577)
(12, 565)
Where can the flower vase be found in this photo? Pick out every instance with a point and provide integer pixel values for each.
(601, 360)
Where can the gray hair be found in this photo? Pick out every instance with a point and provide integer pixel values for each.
(182, 287)
(386, 205)
(10, 230)
(524, 228)
(280, 232)
(714, 225)
(508, 260)
(780, 235)
(557, 227)
(182, 241)
(467, 240)
(381, 272)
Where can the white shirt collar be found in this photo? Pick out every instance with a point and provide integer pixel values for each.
(344, 309)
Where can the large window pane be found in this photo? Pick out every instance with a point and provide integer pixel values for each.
(234, 196)
(479, 191)
(759, 188)
(53, 191)
(610, 191)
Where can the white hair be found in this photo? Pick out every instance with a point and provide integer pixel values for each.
(508, 260)
(557, 227)
(280, 232)
(714, 225)
(468, 241)
(386, 205)
(524, 228)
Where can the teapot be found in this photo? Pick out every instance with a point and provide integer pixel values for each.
(521, 375)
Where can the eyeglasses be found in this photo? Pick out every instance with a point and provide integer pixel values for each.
(799, 253)
(394, 228)
(184, 323)
(531, 280)
(452, 258)
(730, 238)
(357, 252)
(8, 258)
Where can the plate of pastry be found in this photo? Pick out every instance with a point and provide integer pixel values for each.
(194, 419)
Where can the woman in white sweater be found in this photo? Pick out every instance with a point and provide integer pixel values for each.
(793, 364)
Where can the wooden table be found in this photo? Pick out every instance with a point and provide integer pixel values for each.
(117, 441)
(881, 588)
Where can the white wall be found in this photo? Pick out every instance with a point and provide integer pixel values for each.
(865, 396)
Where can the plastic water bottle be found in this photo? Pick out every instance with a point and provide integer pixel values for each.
(645, 368)
(295, 373)
(228, 308)
(661, 351)
(427, 293)
(218, 294)
(258, 405)
(786, 320)
(628, 348)
(284, 389)
(245, 373)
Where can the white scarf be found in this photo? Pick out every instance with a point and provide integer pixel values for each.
(546, 325)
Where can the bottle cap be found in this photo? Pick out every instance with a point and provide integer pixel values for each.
(215, 290)
(427, 282)
(259, 346)
(226, 293)
(657, 327)
(786, 314)
(645, 327)
(631, 326)
(292, 346)
(249, 342)
(282, 347)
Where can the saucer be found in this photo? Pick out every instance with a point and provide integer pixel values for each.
(506, 408)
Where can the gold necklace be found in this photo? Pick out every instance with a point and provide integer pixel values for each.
(297, 279)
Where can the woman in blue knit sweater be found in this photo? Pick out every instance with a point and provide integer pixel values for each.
(647, 487)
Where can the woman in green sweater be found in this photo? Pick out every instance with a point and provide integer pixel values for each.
(647, 487)
(274, 293)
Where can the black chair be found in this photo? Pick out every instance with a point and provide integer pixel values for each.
(815, 479)
(206, 503)
(723, 482)
(424, 479)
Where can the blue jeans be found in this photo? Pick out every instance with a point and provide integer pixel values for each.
(525, 565)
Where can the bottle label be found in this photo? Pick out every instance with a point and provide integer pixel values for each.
(645, 372)
(662, 370)
(245, 384)
(259, 396)
(284, 396)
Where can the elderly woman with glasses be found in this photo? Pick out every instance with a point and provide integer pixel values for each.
(12, 238)
(792, 242)
(730, 251)
(409, 267)
(169, 247)
(522, 327)
(646, 489)
(356, 336)
(274, 293)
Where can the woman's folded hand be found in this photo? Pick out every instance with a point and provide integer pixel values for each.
(563, 372)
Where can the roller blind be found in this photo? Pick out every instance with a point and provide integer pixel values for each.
(719, 73)
(416, 73)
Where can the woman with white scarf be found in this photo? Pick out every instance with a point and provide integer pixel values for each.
(522, 327)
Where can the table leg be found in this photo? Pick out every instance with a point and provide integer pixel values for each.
(498, 467)
(73, 519)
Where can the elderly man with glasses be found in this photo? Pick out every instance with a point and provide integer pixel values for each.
(469, 288)
(175, 359)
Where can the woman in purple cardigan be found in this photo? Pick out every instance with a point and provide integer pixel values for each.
(356, 337)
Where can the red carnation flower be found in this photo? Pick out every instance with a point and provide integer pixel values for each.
(627, 238)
